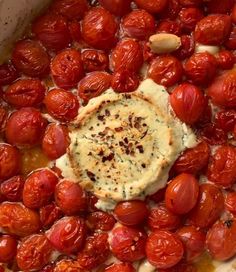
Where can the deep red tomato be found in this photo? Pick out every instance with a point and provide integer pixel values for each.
(9, 161)
(120, 267)
(3, 118)
(169, 26)
(152, 6)
(172, 10)
(100, 220)
(99, 28)
(164, 249)
(62, 105)
(34, 252)
(48, 268)
(193, 240)
(67, 265)
(148, 55)
(225, 59)
(180, 267)
(226, 120)
(49, 214)
(158, 196)
(212, 134)
(189, 17)
(231, 41)
(25, 93)
(209, 207)
(187, 47)
(91, 202)
(12, 189)
(189, 3)
(25, 127)
(70, 197)
(8, 245)
(8, 74)
(94, 60)
(127, 55)
(230, 202)
(52, 31)
(233, 14)
(117, 7)
(218, 6)
(138, 24)
(75, 31)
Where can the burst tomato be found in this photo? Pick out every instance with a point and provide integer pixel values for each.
(187, 47)
(231, 41)
(100, 220)
(212, 134)
(94, 60)
(124, 81)
(68, 265)
(189, 17)
(226, 120)
(118, 7)
(8, 245)
(75, 31)
(190, 3)
(225, 59)
(12, 189)
(169, 26)
(49, 214)
(230, 202)
(8, 73)
(218, 6)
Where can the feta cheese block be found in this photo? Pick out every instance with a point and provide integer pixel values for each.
(123, 145)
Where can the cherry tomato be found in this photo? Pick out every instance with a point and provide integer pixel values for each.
(49, 214)
(152, 6)
(213, 135)
(128, 244)
(200, 68)
(169, 26)
(91, 202)
(15, 218)
(213, 29)
(12, 189)
(190, 3)
(30, 58)
(70, 197)
(48, 268)
(72, 9)
(162, 218)
(148, 55)
(218, 6)
(62, 105)
(120, 267)
(8, 245)
(225, 59)
(230, 202)
(25, 93)
(222, 167)
(226, 120)
(193, 160)
(3, 118)
(180, 267)
(209, 206)
(172, 10)
(124, 81)
(34, 252)
(95, 252)
(8, 73)
(99, 28)
(55, 141)
(67, 265)
(138, 24)
(231, 41)
(94, 60)
(193, 241)
(189, 17)
(164, 249)
(187, 47)
(118, 7)
(100, 220)
(206, 116)
(52, 31)
(25, 127)
(159, 196)
(75, 31)
(233, 14)
(131, 213)
(127, 55)
(93, 85)
(165, 70)
(9, 161)
(220, 240)
(188, 102)
(222, 91)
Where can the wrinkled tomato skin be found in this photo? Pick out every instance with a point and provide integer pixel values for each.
(9, 161)
(169, 26)
(225, 59)
(120, 267)
(189, 17)
(25, 93)
(8, 74)
(93, 85)
(230, 202)
(127, 55)
(30, 58)
(164, 249)
(117, 7)
(222, 167)
(220, 240)
(218, 6)
(8, 245)
(99, 28)
(213, 29)
(172, 10)
(193, 241)
(55, 141)
(62, 105)
(49, 214)
(67, 265)
(17, 219)
(39, 188)
(52, 31)
(187, 47)
(152, 6)
(100, 220)
(212, 134)
(181, 267)
(67, 68)
(226, 120)
(12, 189)
(138, 24)
(75, 32)
(94, 60)
(193, 160)
(124, 81)
(34, 252)
(189, 3)
(165, 70)
(231, 41)
(127, 243)
(3, 118)
(209, 206)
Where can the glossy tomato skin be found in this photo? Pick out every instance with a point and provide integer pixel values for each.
(100, 220)
(169, 26)
(8, 73)
(12, 189)
(212, 134)
(187, 47)
(209, 207)
(94, 60)
(189, 17)
(3, 118)
(120, 267)
(230, 201)
(75, 32)
(99, 28)
(8, 245)
(34, 252)
(67, 265)
(138, 24)
(181, 267)
(30, 58)
(164, 249)
(218, 6)
(25, 93)
(62, 105)
(189, 3)
(225, 59)
(152, 6)
(231, 41)
(226, 120)
(172, 10)
(118, 7)
(49, 214)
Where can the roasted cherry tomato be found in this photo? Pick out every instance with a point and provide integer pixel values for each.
(169, 26)
(212, 134)
(152, 6)
(124, 81)
(226, 120)
(172, 10)
(190, 3)
(8, 245)
(3, 118)
(120, 267)
(75, 31)
(8, 73)
(189, 17)
(231, 41)
(118, 7)
(181, 267)
(67, 265)
(94, 60)
(49, 214)
(12, 189)
(100, 220)
(230, 202)
(218, 6)
(187, 47)
(225, 59)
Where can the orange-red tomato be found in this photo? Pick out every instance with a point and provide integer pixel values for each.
(120, 267)
(233, 13)
(225, 59)
(100, 220)
(49, 214)
(230, 202)
(189, 17)
(226, 120)
(8, 73)
(190, 3)
(94, 60)
(164, 249)
(8, 245)
(218, 6)
(152, 6)
(172, 10)
(212, 134)
(12, 189)
(118, 7)
(67, 265)
(231, 41)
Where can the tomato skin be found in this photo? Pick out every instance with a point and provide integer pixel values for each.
(180, 267)
(3, 118)
(222, 167)
(93, 85)
(138, 24)
(128, 243)
(124, 81)
(188, 102)
(172, 10)
(218, 6)
(75, 32)
(165, 70)
(118, 7)
(49, 214)
(220, 240)
(52, 31)
(212, 134)
(169, 26)
(127, 55)
(25, 93)
(9, 161)
(12, 189)
(225, 59)
(152, 6)
(231, 41)
(67, 265)
(189, 17)
(226, 120)
(8, 73)
(34, 252)
(230, 201)
(99, 28)
(209, 207)
(189, 3)
(100, 220)
(55, 141)
(62, 105)
(94, 60)
(187, 47)
(131, 213)
(164, 249)
(8, 245)
(213, 29)
(193, 241)
(120, 267)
